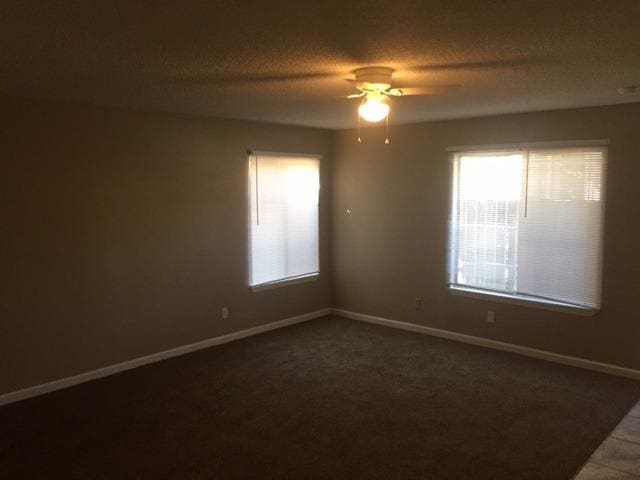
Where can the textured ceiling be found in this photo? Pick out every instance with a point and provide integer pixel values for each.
(287, 61)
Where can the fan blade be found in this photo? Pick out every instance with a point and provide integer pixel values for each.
(482, 64)
(431, 90)
(356, 95)
(394, 92)
(213, 79)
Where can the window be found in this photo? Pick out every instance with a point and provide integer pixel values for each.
(527, 224)
(283, 231)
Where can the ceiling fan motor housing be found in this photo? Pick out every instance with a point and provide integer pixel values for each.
(373, 78)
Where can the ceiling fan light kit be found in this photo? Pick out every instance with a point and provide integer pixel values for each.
(373, 108)
(374, 85)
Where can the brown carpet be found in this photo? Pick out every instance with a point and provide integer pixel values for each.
(327, 399)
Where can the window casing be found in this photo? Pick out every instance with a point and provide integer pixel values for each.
(283, 219)
(527, 224)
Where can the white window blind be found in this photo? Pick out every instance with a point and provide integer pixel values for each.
(529, 223)
(283, 199)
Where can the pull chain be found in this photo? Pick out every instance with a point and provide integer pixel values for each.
(526, 188)
(359, 137)
(386, 140)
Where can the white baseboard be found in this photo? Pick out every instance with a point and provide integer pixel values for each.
(496, 345)
(155, 357)
(460, 337)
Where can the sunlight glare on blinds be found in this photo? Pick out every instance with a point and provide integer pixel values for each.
(489, 190)
(284, 217)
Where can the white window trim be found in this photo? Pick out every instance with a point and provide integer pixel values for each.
(309, 277)
(267, 153)
(528, 145)
(523, 300)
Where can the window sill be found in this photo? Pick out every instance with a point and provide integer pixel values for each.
(285, 281)
(523, 300)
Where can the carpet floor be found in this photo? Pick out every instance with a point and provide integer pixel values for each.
(327, 399)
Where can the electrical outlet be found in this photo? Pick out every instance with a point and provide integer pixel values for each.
(491, 316)
(418, 304)
(225, 313)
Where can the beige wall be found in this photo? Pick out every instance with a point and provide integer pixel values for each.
(124, 233)
(392, 248)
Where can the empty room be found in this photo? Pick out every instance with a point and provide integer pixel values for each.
(320, 240)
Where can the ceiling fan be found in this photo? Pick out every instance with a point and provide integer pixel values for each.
(374, 85)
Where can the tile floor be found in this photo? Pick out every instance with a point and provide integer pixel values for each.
(618, 457)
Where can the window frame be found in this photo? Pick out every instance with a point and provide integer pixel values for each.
(500, 296)
(304, 278)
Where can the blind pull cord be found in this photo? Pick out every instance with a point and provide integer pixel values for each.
(257, 198)
(526, 187)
